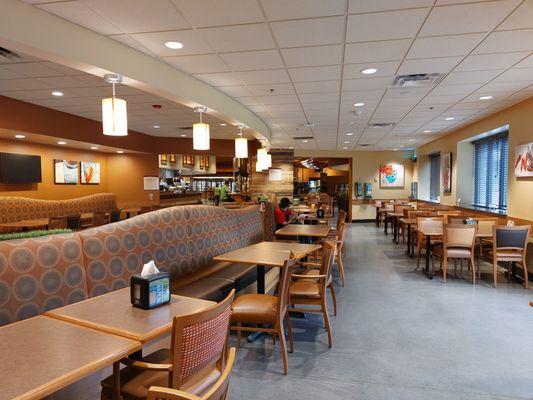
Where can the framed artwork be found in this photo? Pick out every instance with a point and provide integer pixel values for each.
(523, 160)
(188, 160)
(164, 158)
(65, 172)
(392, 175)
(90, 173)
(150, 182)
(172, 158)
(447, 173)
(274, 174)
(204, 162)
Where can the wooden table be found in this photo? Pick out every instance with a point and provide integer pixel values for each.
(433, 231)
(113, 313)
(27, 224)
(303, 210)
(409, 222)
(395, 216)
(41, 355)
(304, 231)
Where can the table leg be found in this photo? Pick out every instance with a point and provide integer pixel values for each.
(116, 380)
(394, 230)
(377, 217)
(428, 256)
(409, 251)
(386, 221)
(260, 290)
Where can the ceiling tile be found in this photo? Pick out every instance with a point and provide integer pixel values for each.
(526, 63)
(311, 74)
(516, 74)
(309, 32)
(481, 62)
(384, 69)
(79, 13)
(507, 41)
(155, 42)
(429, 65)
(521, 18)
(253, 60)
(384, 25)
(282, 99)
(455, 89)
(388, 50)
(498, 87)
(238, 38)
(444, 46)
(139, 15)
(312, 56)
(198, 64)
(366, 83)
(467, 18)
(220, 79)
(266, 89)
(266, 76)
(466, 77)
(283, 9)
(129, 41)
(10, 73)
(319, 97)
(23, 84)
(202, 13)
(363, 6)
(317, 87)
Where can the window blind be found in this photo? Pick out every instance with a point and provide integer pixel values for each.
(434, 180)
(491, 159)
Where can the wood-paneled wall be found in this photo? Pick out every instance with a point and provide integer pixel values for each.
(260, 184)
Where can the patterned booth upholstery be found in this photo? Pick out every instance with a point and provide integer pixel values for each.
(40, 274)
(22, 208)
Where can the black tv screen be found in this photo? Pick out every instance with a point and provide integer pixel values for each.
(20, 168)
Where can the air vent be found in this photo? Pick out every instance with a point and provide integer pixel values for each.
(8, 54)
(364, 145)
(303, 137)
(381, 124)
(416, 80)
(185, 128)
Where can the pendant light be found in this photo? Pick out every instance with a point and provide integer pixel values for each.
(241, 144)
(114, 111)
(262, 157)
(200, 132)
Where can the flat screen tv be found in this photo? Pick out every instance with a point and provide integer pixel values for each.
(20, 168)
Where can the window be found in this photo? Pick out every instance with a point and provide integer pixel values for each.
(490, 172)
(434, 180)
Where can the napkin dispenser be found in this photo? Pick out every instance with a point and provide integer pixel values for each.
(151, 291)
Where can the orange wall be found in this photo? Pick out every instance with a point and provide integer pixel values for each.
(121, 174)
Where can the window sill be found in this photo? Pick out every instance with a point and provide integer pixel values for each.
(485, 210)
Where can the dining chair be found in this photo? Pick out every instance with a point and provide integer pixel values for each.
(217, 392)
(458, 243)
(311, 290)
(447, 214)
(509, 245)
(484, 229)
(114, 216)
(99, 219)
(74, 222)
(425, 223)
(269, 312)
(57, 223)
(194, 362)
(313, 269)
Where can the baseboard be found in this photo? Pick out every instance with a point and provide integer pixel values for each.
(360, 221)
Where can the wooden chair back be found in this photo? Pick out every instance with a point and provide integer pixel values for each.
(428, 223)
(485, 224)
(328, 258)
(342, 217)
(513, 238)
(413, 214)
(114, 216)
(218, 391)
(459, 236)
(199, 340)
(57, 223)
(285, 284)
(74, 222)
(99, 219)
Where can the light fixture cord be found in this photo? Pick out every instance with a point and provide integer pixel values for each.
(113, 90)
(200, 116)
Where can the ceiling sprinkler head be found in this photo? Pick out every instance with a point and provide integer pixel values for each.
(358, 112)
(272, 90)
(113, 78)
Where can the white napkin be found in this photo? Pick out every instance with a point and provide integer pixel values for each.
(149, 269)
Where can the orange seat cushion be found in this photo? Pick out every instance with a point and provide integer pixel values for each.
(255, 308)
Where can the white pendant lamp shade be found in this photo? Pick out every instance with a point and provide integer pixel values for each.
(241, 145)
(258, 166)
(114, 111)
(261, 156)
(200, 136)
(114, 117)
(268, 161)
(200, 132)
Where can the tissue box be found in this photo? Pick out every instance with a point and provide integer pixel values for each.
(150, 291)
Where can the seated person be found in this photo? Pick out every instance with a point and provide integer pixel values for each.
(284, 215)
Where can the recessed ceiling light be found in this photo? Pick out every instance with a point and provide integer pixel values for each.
(369, 71)
(20, 136)
(351, 123)
(94, 148)
(394, 149)
(174, 45)
(57, 93)
(427, 131)
(120, 151)
(345, 148)
(61, 142)
(485, 98)
(449, 118)
(349, 134)
(305, 141)
(222, 124)
(291, 147)
(183, 135)
(156, 126)
(401, 146)
(411, 140)
(347, 142)
(358, 104)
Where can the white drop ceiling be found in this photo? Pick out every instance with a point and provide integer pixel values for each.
(293, 62)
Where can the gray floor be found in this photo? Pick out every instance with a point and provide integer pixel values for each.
(400, 336)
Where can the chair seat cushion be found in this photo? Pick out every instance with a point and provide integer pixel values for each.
(242, 275)
(135, 382)
(305, 289)
(213, 289)
(453, 252)
(505, 255)
(255, 308)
